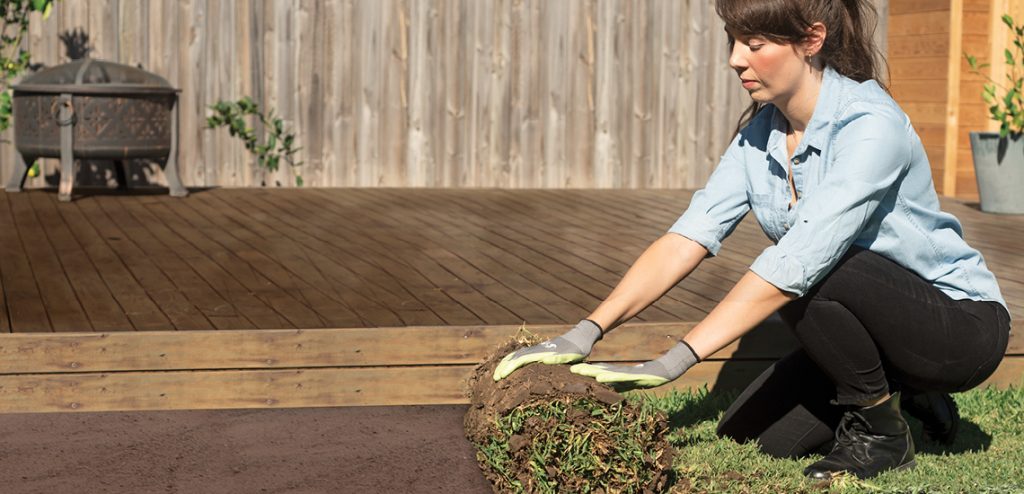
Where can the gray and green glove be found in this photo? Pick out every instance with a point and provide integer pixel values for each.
(572, 346)
(646, 375)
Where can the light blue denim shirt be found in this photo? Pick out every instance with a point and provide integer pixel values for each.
(862, 178)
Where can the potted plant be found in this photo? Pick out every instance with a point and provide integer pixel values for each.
(999, 156)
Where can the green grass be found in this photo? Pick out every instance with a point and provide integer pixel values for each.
(988, 455)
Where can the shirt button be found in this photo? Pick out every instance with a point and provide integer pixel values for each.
(785, 225)
(796, 161)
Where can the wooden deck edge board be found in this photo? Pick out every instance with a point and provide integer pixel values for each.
(325, 387)
(345, 347)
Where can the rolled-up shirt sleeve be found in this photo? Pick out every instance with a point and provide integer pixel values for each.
(715, 210)
(872, 150)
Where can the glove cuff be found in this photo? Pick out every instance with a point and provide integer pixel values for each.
(678, 360)
(596, 326)
(696, 358)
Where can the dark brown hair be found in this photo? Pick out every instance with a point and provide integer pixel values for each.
(849, 39)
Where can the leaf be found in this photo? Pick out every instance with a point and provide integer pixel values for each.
(1009, 58)
(1008, 21)
(247, 105)
(298, 180)
(971, 61)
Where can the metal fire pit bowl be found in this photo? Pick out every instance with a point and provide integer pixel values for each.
(92, 109)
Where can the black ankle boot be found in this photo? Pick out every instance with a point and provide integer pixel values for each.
(869, 441)
(938, 414)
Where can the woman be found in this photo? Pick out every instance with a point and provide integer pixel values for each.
(878, 285)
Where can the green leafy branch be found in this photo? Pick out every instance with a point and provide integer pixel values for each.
(1006, 102)
(279, 144)
(14, 59)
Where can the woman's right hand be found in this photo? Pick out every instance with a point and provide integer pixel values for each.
(568, 348)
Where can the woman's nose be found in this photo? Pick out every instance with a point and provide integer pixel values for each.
(737, 59)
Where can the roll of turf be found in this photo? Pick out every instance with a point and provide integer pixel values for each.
(545, 429)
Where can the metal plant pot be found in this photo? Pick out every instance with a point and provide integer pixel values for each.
(999, 168)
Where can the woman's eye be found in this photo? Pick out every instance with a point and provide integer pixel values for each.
(755, 47)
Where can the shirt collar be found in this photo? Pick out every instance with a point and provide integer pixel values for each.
(817, 129)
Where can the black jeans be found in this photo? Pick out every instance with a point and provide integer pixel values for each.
(869, 327)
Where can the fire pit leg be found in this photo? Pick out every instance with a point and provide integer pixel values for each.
(18, 175)
(67, 159)
(171, 165)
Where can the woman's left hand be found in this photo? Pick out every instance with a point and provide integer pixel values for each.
(646, 375)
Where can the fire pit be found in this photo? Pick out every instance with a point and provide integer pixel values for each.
(92, 109)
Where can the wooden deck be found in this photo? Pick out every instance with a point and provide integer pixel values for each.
(128, 301)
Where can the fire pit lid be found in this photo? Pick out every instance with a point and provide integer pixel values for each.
(90, 76)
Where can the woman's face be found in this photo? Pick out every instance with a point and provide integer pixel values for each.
(769, 71)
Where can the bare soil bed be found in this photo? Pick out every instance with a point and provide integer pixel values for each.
(309, 450)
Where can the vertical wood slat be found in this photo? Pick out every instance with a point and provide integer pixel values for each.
(434, 93)
(956, 15)
(996, 71)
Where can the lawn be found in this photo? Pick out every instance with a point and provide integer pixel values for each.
(988, 455)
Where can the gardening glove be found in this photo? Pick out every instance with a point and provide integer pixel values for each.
(646, 375)
(573, 346)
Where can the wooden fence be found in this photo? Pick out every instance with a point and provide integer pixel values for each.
(435, 93)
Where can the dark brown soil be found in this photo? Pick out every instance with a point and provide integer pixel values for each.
(536, 384)
(307, 450)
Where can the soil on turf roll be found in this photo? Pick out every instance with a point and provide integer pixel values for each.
(545, 429)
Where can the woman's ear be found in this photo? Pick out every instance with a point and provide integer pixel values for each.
(815, 39)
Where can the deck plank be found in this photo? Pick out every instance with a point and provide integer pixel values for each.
(23, 305)
(91, 292)
(565, 250)
(63, 308)
(434, 258)
(182, 313)
(276, 259)
(144, 313)
(161, 227)
(456, 255)
(251, 274)
(215, 308)
(371, 291)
